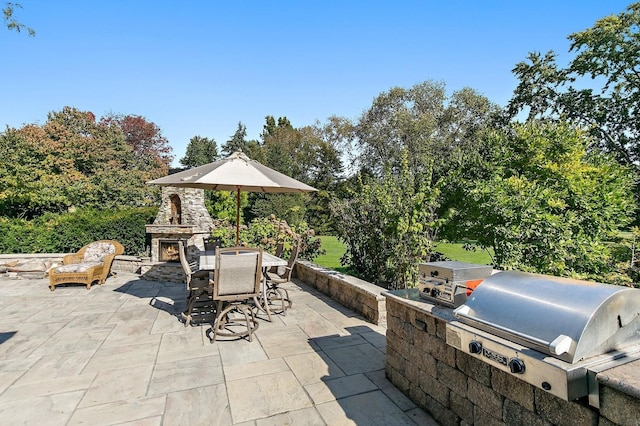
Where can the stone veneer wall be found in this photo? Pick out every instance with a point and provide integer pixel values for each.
(193, 210)
(458, 389)
(359, 295)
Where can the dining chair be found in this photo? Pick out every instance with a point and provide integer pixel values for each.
(282, 274)
(211, 243)
(236, 283)
(199, 303)
(278, 253)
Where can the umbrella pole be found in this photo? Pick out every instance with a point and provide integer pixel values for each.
(238, 217)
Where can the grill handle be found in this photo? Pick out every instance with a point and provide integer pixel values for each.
(560, 345)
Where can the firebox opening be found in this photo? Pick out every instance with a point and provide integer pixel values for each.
(169, 251)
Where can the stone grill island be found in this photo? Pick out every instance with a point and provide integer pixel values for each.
(461, 389)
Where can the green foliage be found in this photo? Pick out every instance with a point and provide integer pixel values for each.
(290, 207)
(223, 204)
(11, 22)
(267, 233)
(302, 154)
(74, 162)
(599, 88)
(238, 141)
(417, 147)
(68, 232)
(199, 151)
(549, 206)
(389, 227)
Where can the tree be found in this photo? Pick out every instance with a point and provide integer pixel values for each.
(325, 173)
(305, 156)
(11, 22)
(419, 145)
(598, 89)
(71, 161)
(429, 125)
(389, 226)
(238, 141)
(549, 205)
(152, 149)
(220, 204)
(199, 151)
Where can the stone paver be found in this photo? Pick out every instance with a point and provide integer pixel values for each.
(118, 354)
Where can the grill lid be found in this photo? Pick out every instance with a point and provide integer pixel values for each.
(564, 318)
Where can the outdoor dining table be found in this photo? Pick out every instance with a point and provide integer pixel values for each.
(208, 263)
(208, 260)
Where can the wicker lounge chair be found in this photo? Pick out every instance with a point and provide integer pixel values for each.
(91, 263)
(280, 275)
(237, 279)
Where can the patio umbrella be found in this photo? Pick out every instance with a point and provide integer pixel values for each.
(236, 173)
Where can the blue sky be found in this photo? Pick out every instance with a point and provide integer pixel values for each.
(200, 67)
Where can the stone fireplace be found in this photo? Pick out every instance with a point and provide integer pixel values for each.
(182, 216)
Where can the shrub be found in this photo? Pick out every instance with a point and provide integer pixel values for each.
(68, 232)
(267, 232)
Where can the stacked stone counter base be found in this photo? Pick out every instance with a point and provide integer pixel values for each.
(458, 389)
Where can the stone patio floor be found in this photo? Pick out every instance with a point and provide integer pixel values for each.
(117, 354)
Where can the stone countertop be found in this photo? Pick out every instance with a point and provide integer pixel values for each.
(625, 378)
(411, 297)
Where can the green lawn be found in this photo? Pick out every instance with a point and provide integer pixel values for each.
(454, 251)
(334, 251)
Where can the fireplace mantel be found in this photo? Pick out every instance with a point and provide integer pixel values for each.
(173, 229)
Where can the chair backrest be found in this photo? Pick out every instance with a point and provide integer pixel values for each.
(295, 250)
(184, 261)
(238, 273)
(211, 243)
(97, 251)
(278, 253)
(279, 249)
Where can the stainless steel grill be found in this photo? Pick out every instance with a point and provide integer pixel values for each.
(449, 283)
(549, 331)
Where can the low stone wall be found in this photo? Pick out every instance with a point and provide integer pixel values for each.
(159, 271)
(359, 295)
(458, 389)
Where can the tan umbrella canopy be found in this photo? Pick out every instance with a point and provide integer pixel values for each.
(236, 173)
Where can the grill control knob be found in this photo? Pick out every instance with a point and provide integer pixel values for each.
(435, 292)
(475, 347)
(516, 366)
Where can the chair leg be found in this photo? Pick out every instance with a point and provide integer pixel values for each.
(222, 320)
(186, 315)
(289, 302)
(264, 306)
(274, 295)
(246, 319)
(281, 295)
(216, 321)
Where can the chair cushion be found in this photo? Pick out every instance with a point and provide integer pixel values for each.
(96, 252)
(75, 267)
